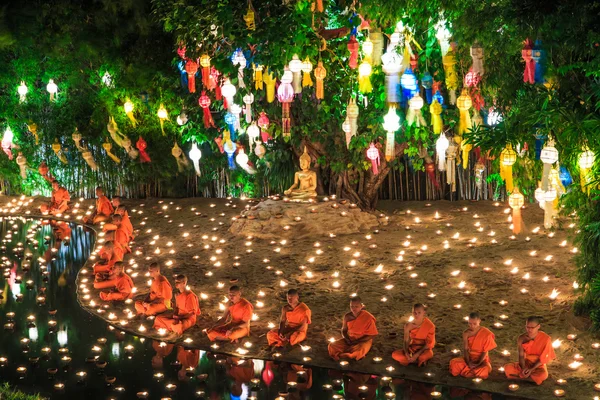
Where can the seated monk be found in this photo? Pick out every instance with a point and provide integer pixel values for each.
(59, 203)
(120, 284)
(186, 309)
(419, 339)
(293, 324)
(477, 342)
(109, 255)
(103, 209)
(235, 322)
(159, 298)
(115, 232)
(305, 181)
(189, 359)
(535, 351)
(125, 221)
(358, 331)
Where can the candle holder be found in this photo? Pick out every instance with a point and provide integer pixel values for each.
(513, 387)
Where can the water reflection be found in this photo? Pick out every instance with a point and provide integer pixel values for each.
(51, 345)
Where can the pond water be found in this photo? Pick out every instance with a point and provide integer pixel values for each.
(50, 345)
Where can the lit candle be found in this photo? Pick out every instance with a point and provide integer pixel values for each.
(559, 393)
(513, 387)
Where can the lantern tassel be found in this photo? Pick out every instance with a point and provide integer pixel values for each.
(270, 82)
(584, 179)
(436, 117)
(258, 76)
(517, 221)
(141, 146)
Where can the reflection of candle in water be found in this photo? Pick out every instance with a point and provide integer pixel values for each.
(435, 395)
(59, 386)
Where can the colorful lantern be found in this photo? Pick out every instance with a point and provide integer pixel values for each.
(435, 109)
(538, 55)
(507, 159)
(260, 150)
(296, 68)
(352, 113)
(477, 56)
(441, 146)
(52, 89)
(242, 159)
(228, 91)
(320, 74)
(141, 145)
(494, 117)
(373, 155)
(464, 104)
(414, 115)
(7, 142)
(236, 110)
(182, 162)
(252, 131)
(195, 155)
(443, 36)
(516, 201)
(57, 149)
(230, 121)
(347, 128)
(449, 62)
(427, 83)
(32, 127)
(565, 177)
(270, 82)
(89, 159)
(285, 94)
(367, 49)
(229, 146)
(249, 18)
(191, 67)
(263, 124)
(408, 81)
(376, 37)
(548, 155)
(248, 100)
(22, 90)
(183, 76)
(219, 142)
(205, 64)
(204, 102)
(391, 65)
(162, 116)
(307, 68)
(451, 165)
(472, 78)
(128, 107)
(353, 49)
(364, 81)
(586, 162)
(391, 123)
(108, 147)
(258, 76)
(239, 60)
(214, 82)
(526, 54)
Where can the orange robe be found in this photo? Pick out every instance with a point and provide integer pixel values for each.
(58, 197)
(292, 376)
(186, 303)
(293, 321)
(238, 313)
(478, 344)
(126, 225)
(106, 266)
(121, 240)
(188, 358)
(419, 337)
(159, 298)
(122, 287)
(363, 324)
(104, 206)
(538, 349)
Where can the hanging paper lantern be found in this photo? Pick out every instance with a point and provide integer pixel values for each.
(230, 121)
(204, 102)
(285, 94)
(89, 159)
(449, 62)
(435, 109)
(516, 201)
(367, 49)
(494, 118)
(205, 64)
(260, 150)
(347, 128)
(296, 68)
(239, 60)
(538, 55)
(391, 65)
(437, 95)
(162, 116)
(353, 49)
(443, 35)
(263, 124)
(230, 148)
(427, 83)
(141, 145)
(52, 89)
(565, 176)
(249, 18)
(219, 142)
(57, 148)
(177, 153)
(214, 82)
(195, 155)
(586, 162)
(7, 142)
(128, 107)
(228, 91)
(320, 74)
(258, 76)
(22, 90)
(183, 76)
(111, 127)
(479, 169)
(352, 113)
(236, 110)
(555, 182)
(364, 82)
(191, 67)
(476, 120)
(181, 52)
(464, 104)
(548, 155)
(248, 100)
(131, 152)
(472, 78)
(242, 158)
(108, 147)
(307, 68)
(526, 54)
(507, 159)
(270, 80)
(441, 146)
(32, 127)
(414, 115)
(373, 155)
(252, 131)
(391, 123)
(477, 56)
(409, 84)
(451, 164)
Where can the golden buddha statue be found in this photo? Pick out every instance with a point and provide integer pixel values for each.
(305, 181)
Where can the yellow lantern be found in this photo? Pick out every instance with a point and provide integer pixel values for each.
(586, 162)
(307, 68)
(507, 159)
(128, 106)
(364, 82)
(464, 104)
(162, 116)
(258, 76)
(367, 48)
(270, 82)
(320, 74)
(435, 109)
(516, 201)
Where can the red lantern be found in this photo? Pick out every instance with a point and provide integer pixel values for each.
(204, 102)
(413, 62)
(526, 53)
(263, 124)
(141, 146)
(191, 67)
(353, 49)
(472, 78)
(219, 142)
(214, 83)
(430, 170)
(373, 155)
(181, 52)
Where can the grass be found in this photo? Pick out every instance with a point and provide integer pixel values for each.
(8, 393)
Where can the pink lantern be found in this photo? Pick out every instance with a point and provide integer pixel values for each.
(527, 54)
(472, 78)
(285, 94)
(353, 48)
(204, 102)
(373, 155)
(263, 124)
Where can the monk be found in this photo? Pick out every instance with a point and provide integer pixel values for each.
(189, 359)
(125, 221)
(115, 232)
(358, 332)
(159, 298)
(235, 322)
(59, 203)
(477, 343)
(120, 284)
(535, 351)
(104, 208)
(293, 324)
(419, 339)
(186, 310)
(109, 255)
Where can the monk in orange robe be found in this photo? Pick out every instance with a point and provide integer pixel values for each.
(419, 339)
(125, 221)
(188, 358)
(109, 255)
(535, 351)
(120, 284)
(114, 231)
(358, 331)
(162, 349)
(235, 322)
(104, 208)
(241, 371)
(59, 203)
(293, 324)
(186, 310)
(477, 342)
(159, 298)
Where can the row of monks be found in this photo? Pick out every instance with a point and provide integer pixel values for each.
(358, 327)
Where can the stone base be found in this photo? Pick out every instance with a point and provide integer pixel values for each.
(269, 219)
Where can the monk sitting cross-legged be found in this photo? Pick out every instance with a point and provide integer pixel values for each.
(477, 342)
(358, 331)
(235, 322)
(109, 255)
(115, 232)
(103, 211)
(535, 351)
(120, 284)
(159, 298)
(59, 203)
(125, 221)
(293, 324)
(419, 339)
(186, 309)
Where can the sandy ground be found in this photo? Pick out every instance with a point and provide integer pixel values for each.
(470, 242)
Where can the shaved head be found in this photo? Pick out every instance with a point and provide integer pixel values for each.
(154, 266)
(534, 319)
(181, 279)
(474, 315)
(292, 292)
(235, 289)
(418, 306)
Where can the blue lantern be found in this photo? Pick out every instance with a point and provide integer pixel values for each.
(438, 96)
(565, 176)
(408, 81)
(230, 121)
(427, 83)
(539, 56)
(183, 77)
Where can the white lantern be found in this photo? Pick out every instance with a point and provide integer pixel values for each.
(391, 123)
(347, 128)
(539, 196)
(248, 100)
(52, 89)
(494, 117)
(242, 158)
(548, 155)
(260, 150)
(287, 76)
(391, 65)
(441, 145)
(22, 90)
(228, 91)
(236, 110)
(296, 68)
(8, 135)
(195, 155)
(252, 131)
(586, 159)
(550, 195)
